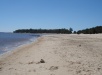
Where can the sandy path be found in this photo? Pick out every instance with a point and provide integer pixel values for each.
(62, 55)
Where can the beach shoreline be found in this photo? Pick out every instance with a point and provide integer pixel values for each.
(16, 49)
(56, 54)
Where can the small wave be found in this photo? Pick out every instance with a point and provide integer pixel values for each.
(12, 41)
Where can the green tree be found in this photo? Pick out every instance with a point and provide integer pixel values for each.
(74, 32)
(70, 29)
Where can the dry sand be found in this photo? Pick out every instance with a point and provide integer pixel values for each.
(56, 55)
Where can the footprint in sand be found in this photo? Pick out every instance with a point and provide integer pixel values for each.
(52, 68)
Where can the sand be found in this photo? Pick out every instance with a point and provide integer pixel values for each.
(62, 54)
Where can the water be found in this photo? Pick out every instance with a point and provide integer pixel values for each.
(9, 41)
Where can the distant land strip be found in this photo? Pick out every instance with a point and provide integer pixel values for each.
(93, 30)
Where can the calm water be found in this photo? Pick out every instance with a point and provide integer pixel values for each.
(9, 41)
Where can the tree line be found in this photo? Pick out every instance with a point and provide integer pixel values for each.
(63, 31)
(93, 30)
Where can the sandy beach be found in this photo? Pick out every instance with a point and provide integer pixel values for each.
(57, 54)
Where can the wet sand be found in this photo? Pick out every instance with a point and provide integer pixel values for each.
(62, 54)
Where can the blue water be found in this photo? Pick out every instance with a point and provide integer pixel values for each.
(9, 41)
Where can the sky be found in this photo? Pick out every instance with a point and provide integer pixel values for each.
(49, 14)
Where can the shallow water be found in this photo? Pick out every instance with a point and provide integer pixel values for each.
(9, 41)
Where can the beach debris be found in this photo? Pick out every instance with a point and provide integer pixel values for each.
(31, 62)
(0, 68)
(52, 68)
(98, 68)
(42, 61)
(79, 45)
